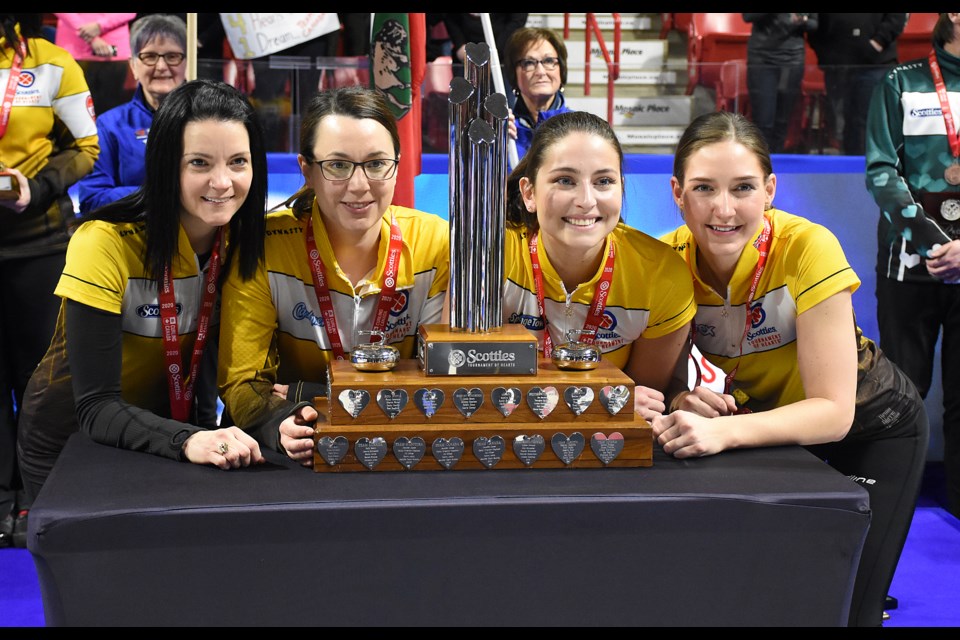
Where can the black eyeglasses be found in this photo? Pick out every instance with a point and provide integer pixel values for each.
(378, 169)
(149, 58)
(529, 64)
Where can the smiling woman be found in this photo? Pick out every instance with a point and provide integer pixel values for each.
(774, 311)
(572, 265)
(341, 252)
(139, 296)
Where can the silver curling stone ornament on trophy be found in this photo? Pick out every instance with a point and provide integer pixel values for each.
(374, 356)
(574, 354)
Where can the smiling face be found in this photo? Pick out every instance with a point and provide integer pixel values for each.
(159, 80)
(215, 175)
(577, 195)
(538, 86)
(351, 209)
(723, 197)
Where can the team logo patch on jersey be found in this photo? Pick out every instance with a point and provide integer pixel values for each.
(302, 312)
(761, 337)
(26, 79)
(90, 109)
(929, 112)
(707, 330)
(534, 323)
(757, 315)
(153, 310)
(141, 135)
(609, 322)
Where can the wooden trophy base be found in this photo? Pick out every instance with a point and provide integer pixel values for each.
(403, 419)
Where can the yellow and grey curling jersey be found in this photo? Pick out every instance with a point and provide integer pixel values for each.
(105, 270)
(650, 295)
(51, 138)
(804, 267)
(273, 329)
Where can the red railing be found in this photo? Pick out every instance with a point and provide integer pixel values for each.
(613, 66)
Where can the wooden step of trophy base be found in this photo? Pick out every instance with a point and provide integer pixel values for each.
(637, 444)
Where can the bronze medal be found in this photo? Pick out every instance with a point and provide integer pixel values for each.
(952, 174)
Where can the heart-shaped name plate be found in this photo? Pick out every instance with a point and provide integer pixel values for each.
(428, 400)
(447, 452)
(506, 400)
(332, 450)
(468, 401)
(605, 447)
(614, 398)
(543, 401)
(567, 448)
(489, 451)
(528, 448)
(354, 401)
(578, 398)
(392, 401)
(370, 451)
(409, 451)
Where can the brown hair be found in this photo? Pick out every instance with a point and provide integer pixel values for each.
(719, 126)
(549, 133)
(357, 102)
(521, 40)
(943, 30)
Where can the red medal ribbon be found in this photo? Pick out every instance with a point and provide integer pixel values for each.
(11, 91)
(181, 393)
(600, 294)
(944, 103)
(388, 286)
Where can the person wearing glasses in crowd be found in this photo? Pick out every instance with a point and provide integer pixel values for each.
(340, 258)
(536, 64)
(158, 42)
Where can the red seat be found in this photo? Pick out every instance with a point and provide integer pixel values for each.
(712, 39)
(917, 37)
(808, 127)
(674, 22)
(732, 93)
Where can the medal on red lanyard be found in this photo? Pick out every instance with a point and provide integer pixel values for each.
(180, 390)
(762, 244)
(388, 287)
(11, 90)
(594, 315)
(952, 173)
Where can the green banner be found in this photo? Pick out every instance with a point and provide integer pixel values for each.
(390, 60)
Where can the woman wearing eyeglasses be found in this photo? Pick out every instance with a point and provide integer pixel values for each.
(341, 259)
(157, 43)
(536, 67)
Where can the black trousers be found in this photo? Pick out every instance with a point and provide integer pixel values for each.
(911, 317)
(28, 314)
(888, 463)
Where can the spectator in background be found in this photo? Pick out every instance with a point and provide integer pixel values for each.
(48, 140)
(100, 42)
(536, 65)
(776, 56)
(854, 50)
(913, 174)
(158, 63)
